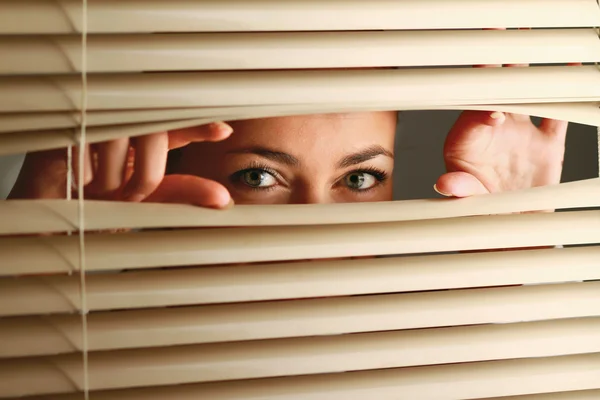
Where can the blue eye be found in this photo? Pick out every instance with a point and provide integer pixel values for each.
(258, 178)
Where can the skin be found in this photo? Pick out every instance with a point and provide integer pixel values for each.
(292, 160)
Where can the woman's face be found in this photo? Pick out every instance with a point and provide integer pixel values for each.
(333, 158)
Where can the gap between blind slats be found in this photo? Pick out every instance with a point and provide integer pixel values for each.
(417, 87)
(161, 288)
(297, 318)
(21, 142)
(106, 251)
(441, 382)
(42, 216)
(185, 52)
(583, 113)
(115, 16)
(301, 356)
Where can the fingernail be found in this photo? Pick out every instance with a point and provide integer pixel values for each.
(442, 193)
(222, 127)
(497, 115)
(135, 198)
(228, 205)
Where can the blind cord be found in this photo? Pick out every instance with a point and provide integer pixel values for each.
(80, 200)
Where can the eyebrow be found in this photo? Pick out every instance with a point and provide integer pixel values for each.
(277, 156)
(364, 155)
(284, 158)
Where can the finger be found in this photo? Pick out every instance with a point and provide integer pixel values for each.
(110, 172)
(87, 165)
(189, 189)
(205, 133)
(459, 184)
(554, 127)
(471, 120)
(149, 166)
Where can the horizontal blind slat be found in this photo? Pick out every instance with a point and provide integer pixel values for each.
(60, 294)
(418, 87)
(112, 16)
(35, 216)
(575, 395)
(295, 318)
(185, 52)
(51, 254)
(21, 142)
(442, 382)
(583, 113)
(303, 356)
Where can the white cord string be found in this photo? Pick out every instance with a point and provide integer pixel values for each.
(80, 200)
(69, 188)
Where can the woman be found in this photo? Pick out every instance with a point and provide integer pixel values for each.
(301, 159)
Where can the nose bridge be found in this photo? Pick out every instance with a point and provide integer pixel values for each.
(311, 194)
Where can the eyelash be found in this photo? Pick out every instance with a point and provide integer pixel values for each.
(236, 177)
(380, 176)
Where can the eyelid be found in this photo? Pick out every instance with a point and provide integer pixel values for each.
(253, 166)
(379, 174)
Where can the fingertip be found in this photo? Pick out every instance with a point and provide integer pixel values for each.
(220, 130)
(221, 199)
(497, 118)
(439, 191)
(227, 206)
(460, 184)
(135, 197)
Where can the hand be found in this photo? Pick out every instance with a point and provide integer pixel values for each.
(131, 169)
(489, 152)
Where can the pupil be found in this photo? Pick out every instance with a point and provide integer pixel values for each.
(355, 180)
(254, 178)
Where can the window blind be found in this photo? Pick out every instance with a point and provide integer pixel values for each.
(165, 310)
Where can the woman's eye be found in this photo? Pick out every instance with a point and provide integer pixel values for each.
(257, 178)
(360, 180)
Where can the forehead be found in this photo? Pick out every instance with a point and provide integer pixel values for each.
(333, 130)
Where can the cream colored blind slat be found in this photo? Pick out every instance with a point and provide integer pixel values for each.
(21, 142)
(575, 395)
(136, 53)
(583, 113)
(115, 16)
(31, 216)
(442, 382)
(51, 254)
(56, 294)
(419, 87)
(295, 318)
(288, 331)
(289, 357)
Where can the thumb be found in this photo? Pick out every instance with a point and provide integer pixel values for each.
(459, 184)
(213, 132)
(189, 189)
